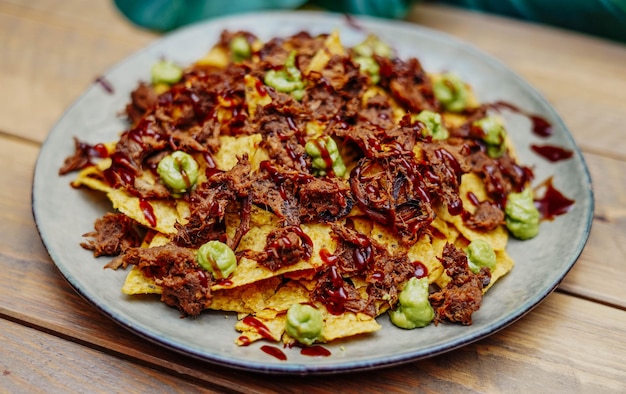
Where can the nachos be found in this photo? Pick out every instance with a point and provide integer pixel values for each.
(308, 186)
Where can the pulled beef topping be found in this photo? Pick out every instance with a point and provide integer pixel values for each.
(356, 254)
(284, 246)
(336, 91)
(275, 189)
(83, 154)
(447, 163)
(367, 136)
(355, 251)
(114, 233)
(408, 82)
(324, 200)
(142, 99)
(336, 293)
(501, 176)
(464, 293)
(282, 125)
(486, 217)
(209, 202)
(378, 111)
(391, 191)
(185, 285)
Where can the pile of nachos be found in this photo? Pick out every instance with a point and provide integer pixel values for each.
(299, 171)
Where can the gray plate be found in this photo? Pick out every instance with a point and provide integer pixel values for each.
(64, 214)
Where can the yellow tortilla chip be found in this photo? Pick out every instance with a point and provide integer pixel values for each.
(273, 326)
(335, 326)
(165, 213)
(248, 271)
(217, 57)
(254, 98)
(332, 46)
(497, 237)
(233, 147)
(137, 283)
(347, 324)
(504, 264)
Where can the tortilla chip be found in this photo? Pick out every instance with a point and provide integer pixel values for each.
(274, 327)
(470, 182)
(217, 57)
(332, 46)
(233, 147)
(347, 324)
(248, 271)
(166, 213)
(254, 98)
(137, 283)
(335, 326)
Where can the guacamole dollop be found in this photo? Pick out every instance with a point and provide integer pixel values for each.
(414, 309)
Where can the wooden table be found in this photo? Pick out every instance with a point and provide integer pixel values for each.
(54, 341)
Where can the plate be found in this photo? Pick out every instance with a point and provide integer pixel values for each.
(64, 214)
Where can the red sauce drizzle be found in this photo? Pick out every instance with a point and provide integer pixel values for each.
(260, 88)
(328, 162)
(328, 257)
(259, 326)
(275, 352)
(420, 269)
(204, 279)
(363, 254)
(244, 340)
(541, 127)
(335, 297)
(553, 202)
(106, 85)
(148, 212)
(315, 351)
(473, 199)
(552, 153)
(352, 22)
(224, 282)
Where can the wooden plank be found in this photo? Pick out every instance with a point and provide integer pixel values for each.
(46, 62)
(536, 352)
(602, 261)
(35, 362)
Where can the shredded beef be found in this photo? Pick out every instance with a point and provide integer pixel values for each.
(275, 189)
(209, 202)
(448, 164)
(324, 200)
(284, 246)
(142, 99)
(185, 285)
(486, 218)
(356, 254)
(408, 82)
(378, 111)
(501, 176)
(464, 293)
(114, 233)
(391, 191)
(81, 158)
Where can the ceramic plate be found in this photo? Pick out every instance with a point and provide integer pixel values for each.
(64, 214)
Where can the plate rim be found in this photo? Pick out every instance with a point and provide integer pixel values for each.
(333, 368)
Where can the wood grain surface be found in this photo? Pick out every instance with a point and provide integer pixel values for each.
(54, 341)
